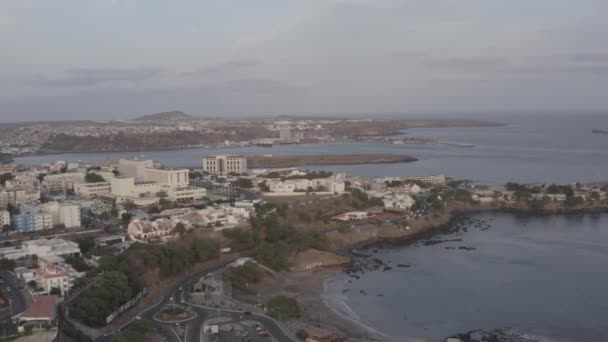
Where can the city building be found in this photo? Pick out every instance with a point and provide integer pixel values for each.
(32, 222)
(168, 177)
(42, 309)
(50, 275)
(5, 218)
(224, 164)
(62, 181)
(7, 169)
(92, 190)
(67, 214)
(146, 231)
(134, 168)
(321, 185)
(289, 134)
(48, 248)
(18, 194)
(398, 202)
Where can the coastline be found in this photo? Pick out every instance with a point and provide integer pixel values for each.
(399, 238)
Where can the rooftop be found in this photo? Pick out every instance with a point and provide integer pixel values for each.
(43, 308)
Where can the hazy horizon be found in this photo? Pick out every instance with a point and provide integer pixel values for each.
(119, 59)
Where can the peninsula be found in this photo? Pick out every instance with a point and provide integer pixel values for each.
(328, 159)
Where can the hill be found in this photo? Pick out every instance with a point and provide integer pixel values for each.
(165, 116)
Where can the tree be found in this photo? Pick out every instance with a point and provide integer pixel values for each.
(153, 209)
(161, 194)
(116, 173)
(114, 212)
(5, 177)
(55, 291)
(32, 283)
(179, 228)
(92, 177)
(129, 205)
(282, 307)
(7, 265)
(204, 250)
(86, 244)
(302, 334)
(272, 256)
(244, 183)
(126, 217)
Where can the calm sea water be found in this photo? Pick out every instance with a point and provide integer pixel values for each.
(543, 276)
(558, 149)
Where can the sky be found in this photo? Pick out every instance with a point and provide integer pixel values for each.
(117, 59)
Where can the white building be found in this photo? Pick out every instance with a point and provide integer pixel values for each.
(173, 178)
(92, 190)
(145, 231)
(62, 181)
(399, 202)
(67, 214)
(5, 218)
(327, 185)
(53, 247)
(434, 180)
(134, 168)
(351, 215)
(224, 164)
(129, 187)
(18, 194)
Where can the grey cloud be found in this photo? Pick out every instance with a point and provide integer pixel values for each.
(467, 63)
(588, 64)
(224, 68)
(83, 77)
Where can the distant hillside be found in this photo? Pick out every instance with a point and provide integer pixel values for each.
(165, 116)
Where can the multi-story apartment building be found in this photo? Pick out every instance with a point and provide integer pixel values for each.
(134, 168)
(92, 190)
(168, 177)
(62, 181)
(67, 214)
(32, 222)
(224, 164)
(18, 194)
(49, 248)
(5, 218)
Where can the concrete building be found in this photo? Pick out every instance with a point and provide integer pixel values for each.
(62, 181)
(5, 218)
(67, 214)
(32, 222)
(289, 134)
(129, 187)
(49, 248)
(43, 310)
(399, 202)
(185, 194)
(224, 164)
(173, 178)
(325, 185)
(92, 190)
(18, 194)
(134, 168)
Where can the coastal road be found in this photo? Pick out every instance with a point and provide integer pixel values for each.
(12, 294)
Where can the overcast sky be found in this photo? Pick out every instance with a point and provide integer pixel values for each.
(113, 59)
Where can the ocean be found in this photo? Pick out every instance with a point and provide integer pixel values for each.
(528, 149)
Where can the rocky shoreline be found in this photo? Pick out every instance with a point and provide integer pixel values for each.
(453, 220)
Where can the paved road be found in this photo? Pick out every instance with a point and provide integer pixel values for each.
(12, 293)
